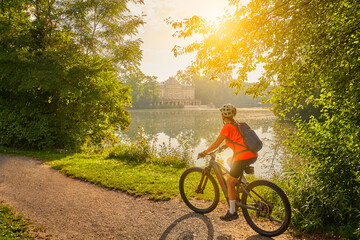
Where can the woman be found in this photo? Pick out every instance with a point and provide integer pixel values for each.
(242, 156)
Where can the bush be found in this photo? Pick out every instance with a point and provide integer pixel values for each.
(325, 193)
(142, 150)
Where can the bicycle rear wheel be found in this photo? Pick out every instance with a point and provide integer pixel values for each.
(199, 190)
(270, 212)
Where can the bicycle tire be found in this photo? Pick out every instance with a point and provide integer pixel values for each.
(274, 204)
(198, 202)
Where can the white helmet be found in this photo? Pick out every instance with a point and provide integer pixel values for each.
(228, 110)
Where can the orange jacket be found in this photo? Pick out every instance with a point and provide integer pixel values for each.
(240, 152)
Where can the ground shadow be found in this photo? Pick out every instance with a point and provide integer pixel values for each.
(258, 237)
(188, 234)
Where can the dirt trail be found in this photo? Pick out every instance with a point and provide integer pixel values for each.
(71, 209)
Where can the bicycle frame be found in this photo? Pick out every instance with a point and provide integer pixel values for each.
(218, 168)
(264, 205)
(219, 175)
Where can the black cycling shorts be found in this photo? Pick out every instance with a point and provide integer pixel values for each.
(238, 167)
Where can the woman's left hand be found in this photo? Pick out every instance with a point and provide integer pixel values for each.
(201, 155)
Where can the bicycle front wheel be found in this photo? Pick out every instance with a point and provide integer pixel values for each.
(268, 210)
(199, 190)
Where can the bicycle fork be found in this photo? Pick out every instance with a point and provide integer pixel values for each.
(203, 181)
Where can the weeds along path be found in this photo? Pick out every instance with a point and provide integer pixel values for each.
(71, 209)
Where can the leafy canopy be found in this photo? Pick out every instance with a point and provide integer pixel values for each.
(302, 45)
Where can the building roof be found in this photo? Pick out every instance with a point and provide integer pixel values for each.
(173, 81)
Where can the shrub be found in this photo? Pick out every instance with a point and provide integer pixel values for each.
(325, 193)
(142, 150)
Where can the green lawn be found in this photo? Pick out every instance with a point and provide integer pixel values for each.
(157, 181)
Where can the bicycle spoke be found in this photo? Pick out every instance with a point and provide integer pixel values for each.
(199, 191)
(269, 210)
(272, 219)
(263, 216)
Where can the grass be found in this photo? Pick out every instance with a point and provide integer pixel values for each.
(13, 226)
(156, 180)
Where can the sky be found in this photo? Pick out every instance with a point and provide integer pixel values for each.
(158, 60)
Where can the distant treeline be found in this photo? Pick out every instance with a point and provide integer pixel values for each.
(216, 92)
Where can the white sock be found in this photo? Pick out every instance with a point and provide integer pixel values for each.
(232, 206)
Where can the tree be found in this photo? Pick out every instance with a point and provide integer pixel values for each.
(54, 93)
(144, 89)
(103, 28)
(310, 54)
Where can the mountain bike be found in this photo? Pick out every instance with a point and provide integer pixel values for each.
(264, 205)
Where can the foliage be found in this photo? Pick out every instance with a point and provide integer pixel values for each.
(56, 88)
(49, 105)
(310, 53)
(133, 151)
(102, 28)
(327, 191)
(176, 156)
(12, 226)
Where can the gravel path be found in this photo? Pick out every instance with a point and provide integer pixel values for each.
(67, 208)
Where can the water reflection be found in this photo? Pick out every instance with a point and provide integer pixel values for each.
(199, 128)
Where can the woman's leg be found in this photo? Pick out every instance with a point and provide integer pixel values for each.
(230, 182)
(236, 171)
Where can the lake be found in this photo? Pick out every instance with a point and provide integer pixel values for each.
(199, 128)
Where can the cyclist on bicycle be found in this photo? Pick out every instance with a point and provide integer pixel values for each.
(242, 156)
